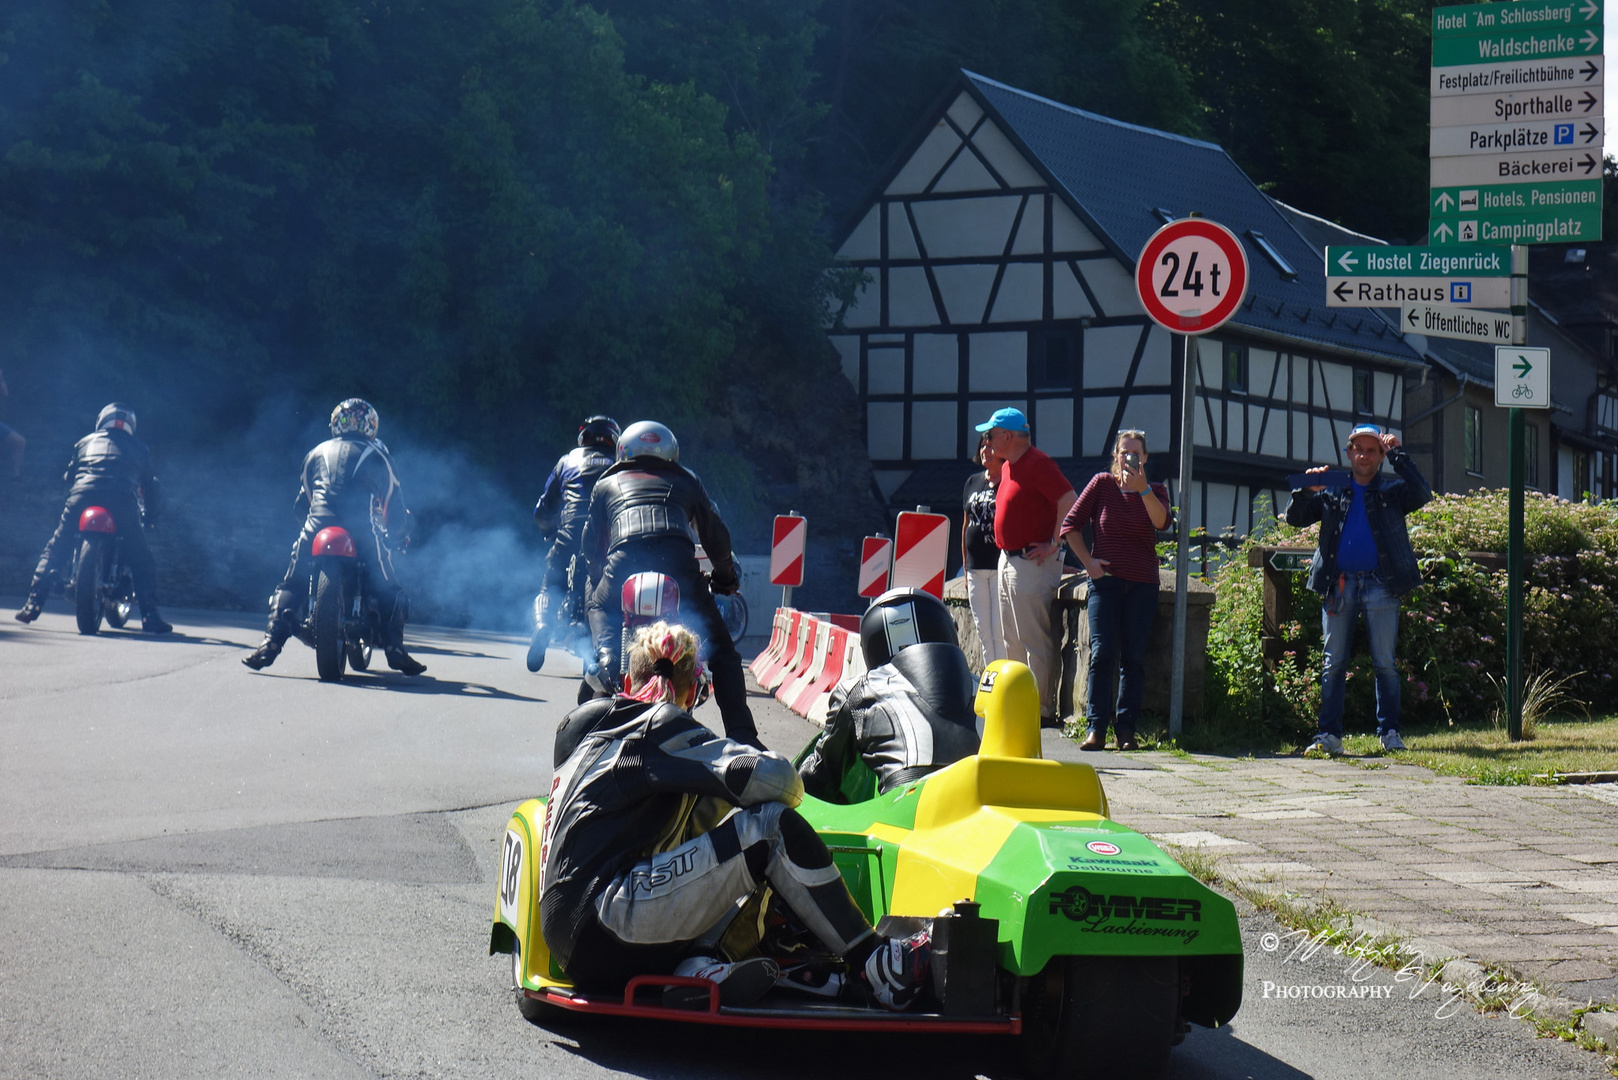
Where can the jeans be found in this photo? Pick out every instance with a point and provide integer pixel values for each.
(1121, 615)
(1360, 592)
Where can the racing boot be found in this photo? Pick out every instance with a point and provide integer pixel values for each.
(896, 972)
(153, 623)
(403, 662)
(263, 656)
(740, 983)
(30, 609)
(542, 633)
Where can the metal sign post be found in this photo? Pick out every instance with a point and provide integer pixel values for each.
(1191, 277)
(1522, 380)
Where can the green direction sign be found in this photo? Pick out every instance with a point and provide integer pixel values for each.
(1291, 561)
(1517, 44)
(1385, 260)
(1546, 212)
(1472, 20)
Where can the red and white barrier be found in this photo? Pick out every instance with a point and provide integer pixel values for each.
(921, 552)
(814, 662)
(789, 637)
(876, 565)
(831, 669)
(797, 654)
(786, 550)
(778, 630)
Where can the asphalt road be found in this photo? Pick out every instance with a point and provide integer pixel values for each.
(206, 872)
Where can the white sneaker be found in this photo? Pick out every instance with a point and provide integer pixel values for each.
(897, 971)
(1391, 741)
(1326, 744)
(740, 983)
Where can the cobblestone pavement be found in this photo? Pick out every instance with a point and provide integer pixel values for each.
(1524, 878)
(1520, 878)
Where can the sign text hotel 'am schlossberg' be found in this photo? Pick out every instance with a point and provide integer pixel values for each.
(1517, 123)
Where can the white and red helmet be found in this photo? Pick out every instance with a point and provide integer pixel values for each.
(648, 438)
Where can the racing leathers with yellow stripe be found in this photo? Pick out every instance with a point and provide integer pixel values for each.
(656, 829)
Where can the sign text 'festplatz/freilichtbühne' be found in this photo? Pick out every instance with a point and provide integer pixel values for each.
(1517, 129)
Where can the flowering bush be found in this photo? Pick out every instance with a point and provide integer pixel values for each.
(1452, 630)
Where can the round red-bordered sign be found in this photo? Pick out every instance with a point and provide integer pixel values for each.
(1191, 276)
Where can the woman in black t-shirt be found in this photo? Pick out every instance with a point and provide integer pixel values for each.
(979, 555)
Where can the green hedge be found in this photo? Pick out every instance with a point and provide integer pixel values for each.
(1452, 630)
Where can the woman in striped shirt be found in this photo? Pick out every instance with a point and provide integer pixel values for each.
(1125, 512)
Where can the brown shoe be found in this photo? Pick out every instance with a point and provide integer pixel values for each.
(1127, 742)
(1094, 741)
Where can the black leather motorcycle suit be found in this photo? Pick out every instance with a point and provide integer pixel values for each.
(642, 516)
(343, 480)
(562, 508)
(111, 469)
(641, 854)
(906, 718)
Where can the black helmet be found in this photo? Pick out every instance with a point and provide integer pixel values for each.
(599, 431)
(116, 415)
(900, 618)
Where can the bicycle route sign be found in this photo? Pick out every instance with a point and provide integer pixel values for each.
(1522, 377)
(1517, 130)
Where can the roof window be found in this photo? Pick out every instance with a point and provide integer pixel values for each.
(1165, 216)
(1270, 252)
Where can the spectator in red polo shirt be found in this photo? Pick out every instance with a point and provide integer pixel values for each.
(1028, 507)
(1126, 512)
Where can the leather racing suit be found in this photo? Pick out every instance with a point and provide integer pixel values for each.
(560, 513)
(642, 516)
(111, 469)
(348, 481)
(904, 719)
(642, 857)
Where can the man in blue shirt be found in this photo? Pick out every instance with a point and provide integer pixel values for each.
(1363, 565)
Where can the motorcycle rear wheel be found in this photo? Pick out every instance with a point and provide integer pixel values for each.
(330, 649)
(733, 609)
(87, 586)
(1100, 1016)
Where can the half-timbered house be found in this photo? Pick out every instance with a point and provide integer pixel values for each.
(1000, 247)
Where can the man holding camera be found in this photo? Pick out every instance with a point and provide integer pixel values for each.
(1362, 565)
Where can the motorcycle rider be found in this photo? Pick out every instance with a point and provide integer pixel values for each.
(112, 469)
(560, 516)
(656, 832)
(642, 515)
(347, 481)
(911, 712)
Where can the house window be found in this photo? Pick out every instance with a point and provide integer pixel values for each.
(1362, 392)
(1474, 440)
(1236, 368)
(1053, 360)
(1056, 369)
(1531, 455)
(1581, 475)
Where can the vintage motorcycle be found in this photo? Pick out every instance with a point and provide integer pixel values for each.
(103, 586)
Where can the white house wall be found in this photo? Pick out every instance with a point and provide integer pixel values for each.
(980, 273)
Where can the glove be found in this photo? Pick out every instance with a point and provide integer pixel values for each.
(726, 584)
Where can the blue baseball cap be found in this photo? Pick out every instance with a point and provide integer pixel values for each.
(1008, 419)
